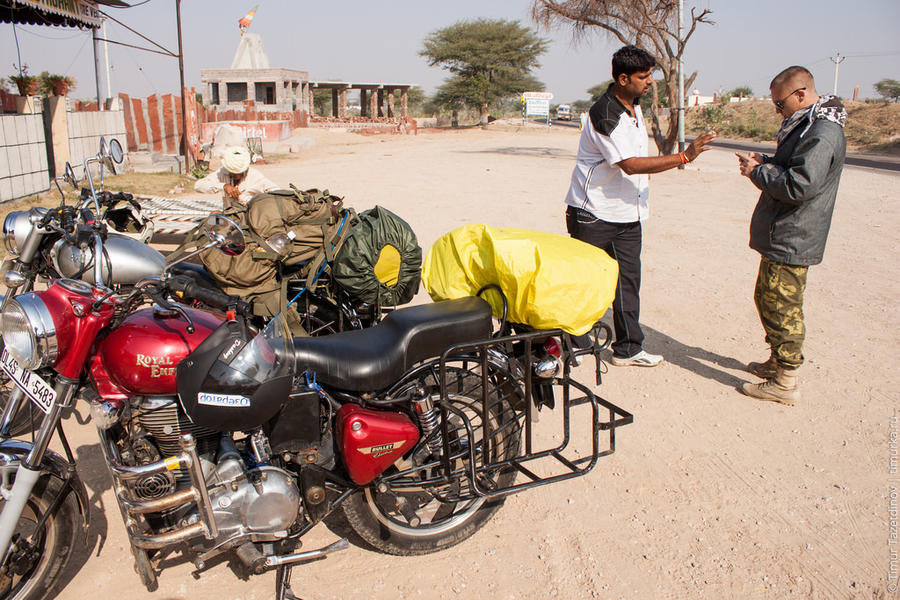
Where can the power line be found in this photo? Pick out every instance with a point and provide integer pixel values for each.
(77, 54)
(50, 37)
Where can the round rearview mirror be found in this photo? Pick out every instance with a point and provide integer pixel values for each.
(69, 176)
(105, 158)
(115, 151)
(225, 233)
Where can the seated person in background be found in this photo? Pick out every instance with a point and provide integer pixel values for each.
(236, 178)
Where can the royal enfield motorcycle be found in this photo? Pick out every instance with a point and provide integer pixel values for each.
(45, 244)
(221, 440)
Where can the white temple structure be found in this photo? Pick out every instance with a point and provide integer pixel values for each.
(251, 78)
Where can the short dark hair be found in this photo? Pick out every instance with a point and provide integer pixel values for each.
(630, 60)
(790, 73)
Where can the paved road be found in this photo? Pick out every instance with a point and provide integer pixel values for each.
(854, 159)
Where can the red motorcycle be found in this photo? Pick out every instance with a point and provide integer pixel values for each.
(221, 440)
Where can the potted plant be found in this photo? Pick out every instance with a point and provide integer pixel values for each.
(56, 85)
(27, 84)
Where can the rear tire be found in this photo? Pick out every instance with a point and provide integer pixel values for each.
(36, 576)
(378, 518)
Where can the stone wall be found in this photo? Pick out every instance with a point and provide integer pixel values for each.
(23, 156)
(153, 124)
(85, 130)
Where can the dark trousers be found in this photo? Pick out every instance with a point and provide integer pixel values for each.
(622, 241)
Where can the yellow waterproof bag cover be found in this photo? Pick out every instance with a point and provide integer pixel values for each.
(550, 280)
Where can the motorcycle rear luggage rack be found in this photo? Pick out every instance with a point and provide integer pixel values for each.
(480, 467)
(477, 478)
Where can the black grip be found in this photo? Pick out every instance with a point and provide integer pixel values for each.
(191, 290)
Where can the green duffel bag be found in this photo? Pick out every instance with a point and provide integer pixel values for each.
(380, 261)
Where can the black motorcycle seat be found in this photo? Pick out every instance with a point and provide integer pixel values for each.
(372, 359)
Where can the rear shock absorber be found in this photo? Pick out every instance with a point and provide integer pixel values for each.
(429, 421)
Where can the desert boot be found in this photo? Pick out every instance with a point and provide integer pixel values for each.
(783, 388)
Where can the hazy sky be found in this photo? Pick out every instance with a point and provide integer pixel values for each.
(380, 41)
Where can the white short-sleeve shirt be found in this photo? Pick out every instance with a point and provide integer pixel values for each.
(609, 134)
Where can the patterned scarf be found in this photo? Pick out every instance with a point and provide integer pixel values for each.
(827, 107)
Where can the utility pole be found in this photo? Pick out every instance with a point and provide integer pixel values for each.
(836, 59)
(184, 132)
(680, 79)
(106, 56)
(101, 101)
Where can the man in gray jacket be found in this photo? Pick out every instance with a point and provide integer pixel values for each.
(791, 221)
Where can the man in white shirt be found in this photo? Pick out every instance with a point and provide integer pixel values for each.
(235, 178)
(607, 199)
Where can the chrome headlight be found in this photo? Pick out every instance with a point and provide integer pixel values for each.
(28, 332)
(17, 225)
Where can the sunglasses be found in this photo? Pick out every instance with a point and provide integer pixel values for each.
(779, 104)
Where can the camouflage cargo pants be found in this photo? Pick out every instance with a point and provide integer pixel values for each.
(779, 300)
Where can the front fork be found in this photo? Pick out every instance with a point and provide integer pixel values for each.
(30, 468)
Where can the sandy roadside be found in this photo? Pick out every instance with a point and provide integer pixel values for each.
(709, 493)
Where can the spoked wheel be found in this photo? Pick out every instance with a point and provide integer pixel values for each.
(418, 517)
(39, 557)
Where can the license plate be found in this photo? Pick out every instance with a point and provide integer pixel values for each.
(40, 392)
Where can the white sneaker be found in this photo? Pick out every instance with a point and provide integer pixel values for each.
(641, 359)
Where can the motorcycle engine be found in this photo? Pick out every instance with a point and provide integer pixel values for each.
(165, 422)
(262, 502)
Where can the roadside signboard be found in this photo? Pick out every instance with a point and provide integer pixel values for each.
(538, 107)
(537, 104)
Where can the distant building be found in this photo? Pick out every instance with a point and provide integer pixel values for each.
(251, 78)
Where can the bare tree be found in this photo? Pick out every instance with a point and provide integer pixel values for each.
(648, 24)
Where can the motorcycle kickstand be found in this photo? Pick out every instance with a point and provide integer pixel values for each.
(283, 583)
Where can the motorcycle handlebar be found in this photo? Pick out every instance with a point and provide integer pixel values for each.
(193, 291)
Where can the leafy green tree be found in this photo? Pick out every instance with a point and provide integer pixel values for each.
(322, 102)
(648, 25)
(745, 90)
(889, 89)
(489, 60)
(415, 100)
(598, 90)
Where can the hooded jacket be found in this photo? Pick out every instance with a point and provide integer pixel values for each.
(799, 185)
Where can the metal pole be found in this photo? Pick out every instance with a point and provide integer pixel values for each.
(100, 99)
(184, 137)
(106, 57)
(680, 79)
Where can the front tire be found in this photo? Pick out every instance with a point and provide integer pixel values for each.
(420, 520)
(34, 573)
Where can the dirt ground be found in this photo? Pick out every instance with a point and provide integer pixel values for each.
(709, 493)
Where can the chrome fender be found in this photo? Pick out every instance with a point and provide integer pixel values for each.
(12, 452)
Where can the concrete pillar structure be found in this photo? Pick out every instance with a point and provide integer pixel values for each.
(390, 102)
(404, 103)
(56, 124)
(373, 103)
(363, 108)
(251, 91)
(342, 107)
(380, 112)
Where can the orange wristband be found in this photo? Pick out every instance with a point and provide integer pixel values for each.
(684, 159)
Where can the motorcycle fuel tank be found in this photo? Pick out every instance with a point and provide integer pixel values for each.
(373, 440)
(141, 354)
(129, 259)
